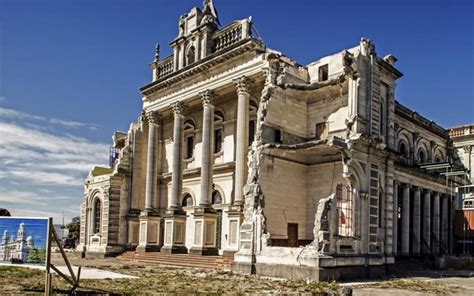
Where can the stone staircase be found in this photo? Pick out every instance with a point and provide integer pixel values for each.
(179, 260)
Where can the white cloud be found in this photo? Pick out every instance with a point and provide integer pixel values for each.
(21, 197)
(18, 115)
(42, 169)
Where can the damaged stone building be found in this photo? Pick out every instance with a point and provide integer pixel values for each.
(292, 170)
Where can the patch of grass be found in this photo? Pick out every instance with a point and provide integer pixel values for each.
(153, 279)
(417, 286)
(18, 272)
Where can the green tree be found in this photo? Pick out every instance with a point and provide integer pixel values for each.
(74, 227)
(37, 255)
(4, 212)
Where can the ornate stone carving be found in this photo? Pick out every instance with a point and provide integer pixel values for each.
(467, 149)
(243, 85)
(208, 98)
(210, 13)
(157, 53)
(153, 117)
(178, 108)
(367, 47)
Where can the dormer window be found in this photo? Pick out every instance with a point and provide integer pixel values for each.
(323, 73)
(190, 55)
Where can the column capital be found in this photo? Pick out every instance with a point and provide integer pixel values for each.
(467, 148)
(242, 84)
(406, 185)
(428, 191)
(178, 108)
(153, 117)
(208, 98)
(417, 188)
(396, 182)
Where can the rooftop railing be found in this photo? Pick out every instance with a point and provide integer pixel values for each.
(165, 67)
(461, 131)
(222, 39)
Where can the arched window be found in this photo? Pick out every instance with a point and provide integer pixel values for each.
(251, 131)
(403, 149)
(218, 131)
(189, 129)
(344, 204)
(253, 108)
(216, 197)
(97, 215)
(190, 56)
(421, 156)
(187, 200)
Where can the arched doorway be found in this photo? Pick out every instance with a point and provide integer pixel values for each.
(217, 200)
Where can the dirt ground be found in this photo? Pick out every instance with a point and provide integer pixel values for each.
(155, 279)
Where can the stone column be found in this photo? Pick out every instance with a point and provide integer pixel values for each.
(416, 225)
(149, 230)
(427, 222)
(207, 155)
(242, 141)
(405, 234)
(395, 218)
(175, 219)
(205, 218)
(153, 130)
(444, 223)
(435, 221)
(177, 165)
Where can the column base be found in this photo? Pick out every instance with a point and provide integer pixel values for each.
(174, 250)
(205, 223)
(174, 234)
(147, 248)
(235, 216)
(229, 254)
(197, 251)
(149, 232)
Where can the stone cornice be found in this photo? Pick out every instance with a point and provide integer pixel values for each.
(251, 68)
(389, 68)
(202, 65)
(419, 120)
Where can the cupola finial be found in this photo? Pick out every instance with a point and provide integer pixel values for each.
(210, 10)
(157, 52)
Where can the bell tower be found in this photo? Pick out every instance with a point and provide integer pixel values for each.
(194, 41)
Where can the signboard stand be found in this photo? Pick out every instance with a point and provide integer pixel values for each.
(72, 280)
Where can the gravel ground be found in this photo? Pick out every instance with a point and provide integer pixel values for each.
(153, 279)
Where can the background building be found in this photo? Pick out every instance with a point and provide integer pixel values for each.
(18, 247)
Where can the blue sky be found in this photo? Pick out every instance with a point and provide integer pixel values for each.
(37, 228)
(70, 71)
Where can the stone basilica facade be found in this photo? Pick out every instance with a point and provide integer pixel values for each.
(241, 151)
(18, 247)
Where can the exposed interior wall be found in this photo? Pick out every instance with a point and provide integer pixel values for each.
(284, 186)
(288, 114)
(332, 108)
